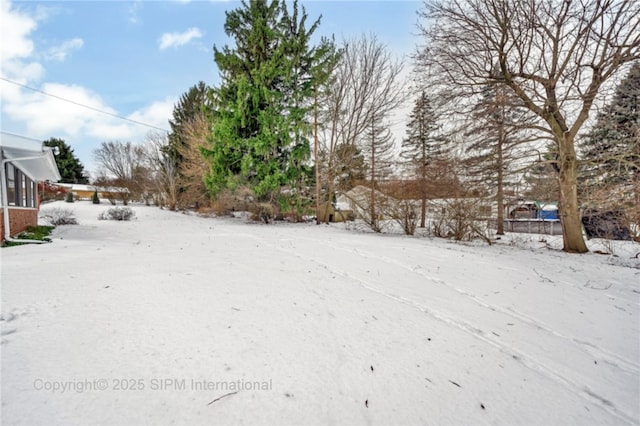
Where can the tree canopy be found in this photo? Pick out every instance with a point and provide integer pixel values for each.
(70, 168)
(192, 103)
(612, 148)
(261, 124)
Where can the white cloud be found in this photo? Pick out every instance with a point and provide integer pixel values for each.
(40, 116)
(15, 29)
(157, 114)
(178, 39)
(16, 46)
(133, 12)
(59, 53)
(45, 115)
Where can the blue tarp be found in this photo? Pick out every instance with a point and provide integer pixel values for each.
(550, 214)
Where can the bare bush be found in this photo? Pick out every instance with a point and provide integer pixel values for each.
(59, 216)
(365, 201)
(117, 213)
(264, 212)
(405, 213)
(460, 220)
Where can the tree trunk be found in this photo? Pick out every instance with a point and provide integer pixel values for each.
(500, 203)
(315, 153)
(423, 181)
(500, 164)
(374, 220)
(568, 204)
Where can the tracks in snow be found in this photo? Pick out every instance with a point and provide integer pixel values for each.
(572, 345)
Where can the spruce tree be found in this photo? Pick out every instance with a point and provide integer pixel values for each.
(377, 146)
(70, 168)
(192, 103)
(421, 147)
(262, 107)
(497, 136)
(611, 151)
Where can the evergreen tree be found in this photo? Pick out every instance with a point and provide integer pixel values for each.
(611, 151)
(70, 168)
(497, 136)
(261, 128)
(377, 145)
(191, 104)
(420, 147)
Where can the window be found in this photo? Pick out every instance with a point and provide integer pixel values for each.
(21, 190)
(11, 184)
(34, 194)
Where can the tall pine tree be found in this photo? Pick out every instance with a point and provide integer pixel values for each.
(191, 105)
(261, 131)
(421, 148)
(498, 137)
(377, 146)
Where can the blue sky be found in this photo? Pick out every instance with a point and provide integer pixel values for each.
(135, 59)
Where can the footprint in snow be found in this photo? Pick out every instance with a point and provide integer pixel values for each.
(7, 317)
(7, 331)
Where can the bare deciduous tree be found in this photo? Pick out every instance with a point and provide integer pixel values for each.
(555, 56)
(125, 162)
(164, 168)
(364, 90)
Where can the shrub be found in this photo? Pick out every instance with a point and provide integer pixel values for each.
(460, 220)
(404, 212)
(69, 198)
(59, 216)
(117, 213)
(40, 232)
(37, 233)
(95, 199)
(262, 212)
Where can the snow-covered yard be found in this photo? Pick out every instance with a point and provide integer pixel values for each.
(178, 319)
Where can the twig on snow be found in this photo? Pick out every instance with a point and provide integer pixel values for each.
(544, 279)
(591, 286)
(223, 396)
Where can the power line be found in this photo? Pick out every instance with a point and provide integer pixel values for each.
(83, 106)
(19, 136)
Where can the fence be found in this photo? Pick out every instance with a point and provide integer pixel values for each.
(533, 226)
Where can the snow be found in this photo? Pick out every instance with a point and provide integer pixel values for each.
(193, 320)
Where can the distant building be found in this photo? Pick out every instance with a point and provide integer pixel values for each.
(85, 192)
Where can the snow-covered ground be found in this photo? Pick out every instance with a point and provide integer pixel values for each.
(179, 319)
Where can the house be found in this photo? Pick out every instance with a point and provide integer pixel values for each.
(357, 202)
(335, 212)
(25, 162)
(85, 192)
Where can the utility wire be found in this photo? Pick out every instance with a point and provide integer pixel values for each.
(19, 136)
(82, 105)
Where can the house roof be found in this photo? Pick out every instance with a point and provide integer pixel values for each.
(30, 156)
